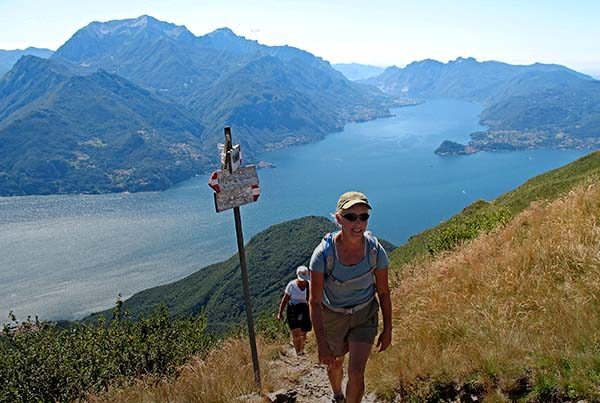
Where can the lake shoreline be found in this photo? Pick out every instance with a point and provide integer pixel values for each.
(260, 164)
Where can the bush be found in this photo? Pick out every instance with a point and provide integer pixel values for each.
(40, 362)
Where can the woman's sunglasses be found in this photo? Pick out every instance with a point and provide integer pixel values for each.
(353, 216)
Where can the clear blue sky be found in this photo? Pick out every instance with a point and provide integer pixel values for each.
(378, 32)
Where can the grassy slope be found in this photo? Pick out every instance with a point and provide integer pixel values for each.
(482, 216)
(514, 310)
(513, 315)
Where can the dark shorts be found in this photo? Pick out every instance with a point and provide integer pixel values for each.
(341, 328)
(298, 317)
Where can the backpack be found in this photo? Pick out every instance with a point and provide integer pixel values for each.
(373, 246)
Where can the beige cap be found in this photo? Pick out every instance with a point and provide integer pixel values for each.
(302, 273)
(349, 199)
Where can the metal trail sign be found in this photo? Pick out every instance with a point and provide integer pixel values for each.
(234, 189)
(234, 186)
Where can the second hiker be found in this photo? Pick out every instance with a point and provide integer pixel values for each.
(295, 298)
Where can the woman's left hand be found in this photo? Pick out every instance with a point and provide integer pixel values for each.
(384, 340)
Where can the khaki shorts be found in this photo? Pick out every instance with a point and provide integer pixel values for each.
(341, 328)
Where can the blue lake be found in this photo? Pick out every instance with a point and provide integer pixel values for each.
(67, 256)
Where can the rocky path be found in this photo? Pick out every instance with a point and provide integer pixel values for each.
(303, 378)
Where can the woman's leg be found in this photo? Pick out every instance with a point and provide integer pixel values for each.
(335, 372)
(302, 341)
(359, 354)
(297, 340)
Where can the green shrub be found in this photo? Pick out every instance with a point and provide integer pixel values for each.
(41, 362)
(272, 329)
(459, 231)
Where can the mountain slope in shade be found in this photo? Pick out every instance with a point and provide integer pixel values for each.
(9, 57)
(64, 133)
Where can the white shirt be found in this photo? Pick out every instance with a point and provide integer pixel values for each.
(296, 294)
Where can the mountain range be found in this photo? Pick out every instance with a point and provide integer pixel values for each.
(140, 104)
(533, 106)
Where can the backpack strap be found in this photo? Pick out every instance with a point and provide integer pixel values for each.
(329, 253)
(373, 246)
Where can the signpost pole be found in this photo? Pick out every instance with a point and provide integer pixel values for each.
(242, 255)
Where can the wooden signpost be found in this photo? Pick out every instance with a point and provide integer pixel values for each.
(234, 186)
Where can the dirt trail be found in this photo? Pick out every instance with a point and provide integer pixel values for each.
(304, 376)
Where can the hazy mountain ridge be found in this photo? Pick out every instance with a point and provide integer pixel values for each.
(532, 106)
(357, 71)
(271, 96)
(463, 78)
(9, 57)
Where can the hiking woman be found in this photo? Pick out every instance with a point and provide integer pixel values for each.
(295, 298)
(347, 269)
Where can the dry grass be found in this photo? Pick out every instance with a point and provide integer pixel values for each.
(514, 314)
(223, 376)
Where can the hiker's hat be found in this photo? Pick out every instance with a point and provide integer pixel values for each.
(349, 199)
(302, 273)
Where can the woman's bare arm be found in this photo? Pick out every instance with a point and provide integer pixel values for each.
(284, 301)
(316, 301)
(383, 292)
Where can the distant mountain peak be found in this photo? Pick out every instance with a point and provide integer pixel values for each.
(428, 61)
(225, 39)
(424, 63)
(225, 32)
(35, 63)
(143, 21)
(8, 58)
(93, 40)
(225, 35)
(461, 59)
(132, 25)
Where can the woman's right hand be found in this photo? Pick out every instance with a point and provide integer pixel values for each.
(279, 317)
(326, 356)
